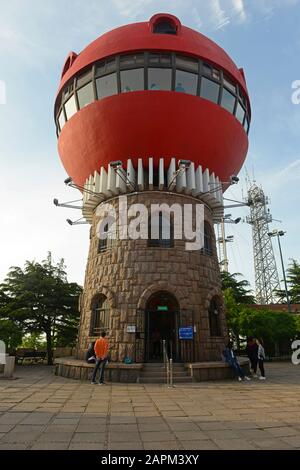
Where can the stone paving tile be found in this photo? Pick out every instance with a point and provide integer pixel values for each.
(55, 437)
(234, 444)
(156, 436)
(191, 435)
(89, 437)
(207, 415)
(162, 445)
(123, 437)
(199, 445)
(123, 428)
(91, 428)
(266, 444)
(284, 431)
(9, 418)
(59, 428)
(28, 428)
(143, 427)
(125, 446)
(6, 427)
(86, 446)
(14, 446)
(293, 441)
(19, 437)
(50, 446)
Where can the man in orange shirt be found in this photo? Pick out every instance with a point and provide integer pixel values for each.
(101, 351)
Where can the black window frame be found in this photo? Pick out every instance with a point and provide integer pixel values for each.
(97, 303)
(214, 316)
(205, 69)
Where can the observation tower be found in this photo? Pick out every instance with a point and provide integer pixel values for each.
(158, 113)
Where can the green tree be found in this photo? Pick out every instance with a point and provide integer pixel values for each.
(239, 288)
(10, 333)
(293, 282)
(34, 341)
(272, 327)
(42, 301)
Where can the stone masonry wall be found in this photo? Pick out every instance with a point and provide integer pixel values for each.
(130, 272)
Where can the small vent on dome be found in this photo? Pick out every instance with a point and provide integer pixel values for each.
(164, 26)
(72, 56)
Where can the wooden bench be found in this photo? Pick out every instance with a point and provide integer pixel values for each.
(33, 356)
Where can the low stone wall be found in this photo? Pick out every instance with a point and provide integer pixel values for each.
(129, 373)
(215, 370)
(114, 371)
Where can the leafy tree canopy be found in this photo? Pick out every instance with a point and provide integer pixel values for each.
(38, 299)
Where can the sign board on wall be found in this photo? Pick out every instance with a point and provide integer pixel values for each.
(130, 329)
(186, 332)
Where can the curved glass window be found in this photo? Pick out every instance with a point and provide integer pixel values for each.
(85, 95)
(107, 86)
(240, 113)
(152, 71)
(159, 79)
(70, 107)
(228, 83)
(160, 59)
(209, 90)
(84, 78)
(132, 60)
(186, 82)
(228, 100)
(187, 63)
(61, 119)
(132, 80)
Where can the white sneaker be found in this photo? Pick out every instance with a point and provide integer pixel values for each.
(239, 379)
(247, 378)
(255, 376)
(93, 383)
(262, 378)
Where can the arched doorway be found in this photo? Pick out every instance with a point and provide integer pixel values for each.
(161, 323)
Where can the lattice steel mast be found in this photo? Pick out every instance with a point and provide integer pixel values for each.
(266, 274)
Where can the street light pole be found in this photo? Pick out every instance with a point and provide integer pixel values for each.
(278, 234)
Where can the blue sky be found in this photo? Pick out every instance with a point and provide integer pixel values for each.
(262, 36)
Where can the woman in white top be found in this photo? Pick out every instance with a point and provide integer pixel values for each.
(261, 358)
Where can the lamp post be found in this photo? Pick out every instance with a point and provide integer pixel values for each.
(278, 234)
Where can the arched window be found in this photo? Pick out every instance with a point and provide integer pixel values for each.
(164, 26)
(214, 312)
(107, 234)
(160, 231)
(208, 240)
(100, 315)
(103, 241)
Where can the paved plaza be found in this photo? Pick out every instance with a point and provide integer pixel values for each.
(42, 411)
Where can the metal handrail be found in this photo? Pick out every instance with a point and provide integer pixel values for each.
(168, 364)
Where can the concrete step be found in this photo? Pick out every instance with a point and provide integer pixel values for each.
(155, 372)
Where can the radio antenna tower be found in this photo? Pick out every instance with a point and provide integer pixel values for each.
(266, 274)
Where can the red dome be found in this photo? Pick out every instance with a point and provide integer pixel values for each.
(147, 123)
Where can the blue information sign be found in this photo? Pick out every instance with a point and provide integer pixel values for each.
(186, 332)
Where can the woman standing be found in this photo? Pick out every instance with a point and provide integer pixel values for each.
(261, 358)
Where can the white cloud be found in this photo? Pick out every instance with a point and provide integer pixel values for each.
(130, 8)
(239, 9)
(284, 177)
(221, 19)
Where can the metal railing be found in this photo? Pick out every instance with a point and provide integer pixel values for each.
(168, 364)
